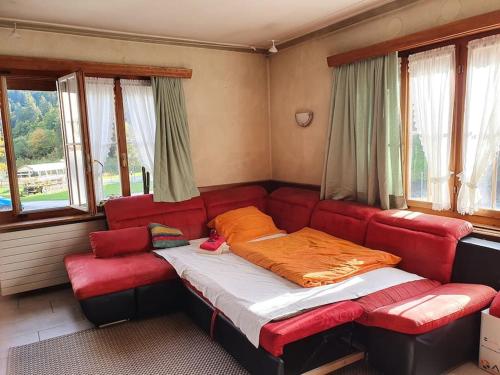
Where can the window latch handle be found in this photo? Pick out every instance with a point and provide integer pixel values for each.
(123, 160)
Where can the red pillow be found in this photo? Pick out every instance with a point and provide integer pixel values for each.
(109, 243)
(495, 306)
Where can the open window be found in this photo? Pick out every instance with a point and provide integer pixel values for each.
(45, 160)
(73, 140)
(38, 159)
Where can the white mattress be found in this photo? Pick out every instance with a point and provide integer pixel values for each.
(252, 296)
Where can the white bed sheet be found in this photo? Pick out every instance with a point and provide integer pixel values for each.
(251, 296)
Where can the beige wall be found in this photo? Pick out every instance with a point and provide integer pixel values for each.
(301, 79)
(226, 98)
(236, 134)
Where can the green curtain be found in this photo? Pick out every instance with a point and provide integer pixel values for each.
(173, 169)
(363, 148)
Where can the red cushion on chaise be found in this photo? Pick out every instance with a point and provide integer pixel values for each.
(91, 277)
(396, 293)
(429, 310)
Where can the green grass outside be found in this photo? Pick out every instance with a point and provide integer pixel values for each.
(109, 189)
(57, 196)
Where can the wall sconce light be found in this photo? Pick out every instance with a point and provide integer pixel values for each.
(304, 119)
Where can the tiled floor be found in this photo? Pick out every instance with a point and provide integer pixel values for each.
(35, 316)
(40, 315)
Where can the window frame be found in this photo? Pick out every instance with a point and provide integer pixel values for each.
(17, 214)
(483, 217)
(53, 69)
(121, 139)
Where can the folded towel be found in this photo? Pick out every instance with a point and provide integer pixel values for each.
(213, 244)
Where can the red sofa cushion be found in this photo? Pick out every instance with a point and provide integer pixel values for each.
(275, 335)
(396, 294)
(429, 310)
(91, 277)
(495, 306)
(140, 210)
(426, 243)
(219, 201)
(343, 219)
(109, 243)
(291, 208)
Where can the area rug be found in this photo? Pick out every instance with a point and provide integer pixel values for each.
(168, 345)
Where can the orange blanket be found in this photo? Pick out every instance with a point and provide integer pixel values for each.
(313, 258)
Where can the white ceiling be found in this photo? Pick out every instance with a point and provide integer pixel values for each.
(231, 22)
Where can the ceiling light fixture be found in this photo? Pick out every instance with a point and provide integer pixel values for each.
(273, 48)
(15, 34)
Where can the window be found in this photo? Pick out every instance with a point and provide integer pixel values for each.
(140, 124)
(5, 201)
(122, 129)
(46, 127)
(453, 126)
(103, 138)
(69, 141)
(73, 142)
(432, 76)
(481, 129)
(38, 145)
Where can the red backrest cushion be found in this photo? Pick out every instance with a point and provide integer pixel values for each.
(109, 243)
(291, 208)
(343, 219)
(426, 243)
(219, 201)
(140, 210)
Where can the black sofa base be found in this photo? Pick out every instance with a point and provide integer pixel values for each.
(134, 303)
(298, 357)
(390, 352)
(431, 353)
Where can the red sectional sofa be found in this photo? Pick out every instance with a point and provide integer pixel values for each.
(422, 327)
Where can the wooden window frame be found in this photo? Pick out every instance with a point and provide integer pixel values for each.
(121, 138)
(483, 217)
(17, 214)
(29, 71)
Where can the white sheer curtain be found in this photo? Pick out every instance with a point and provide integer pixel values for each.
(432, 87)
(139, 108)
(481, 136)
(101, 117)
